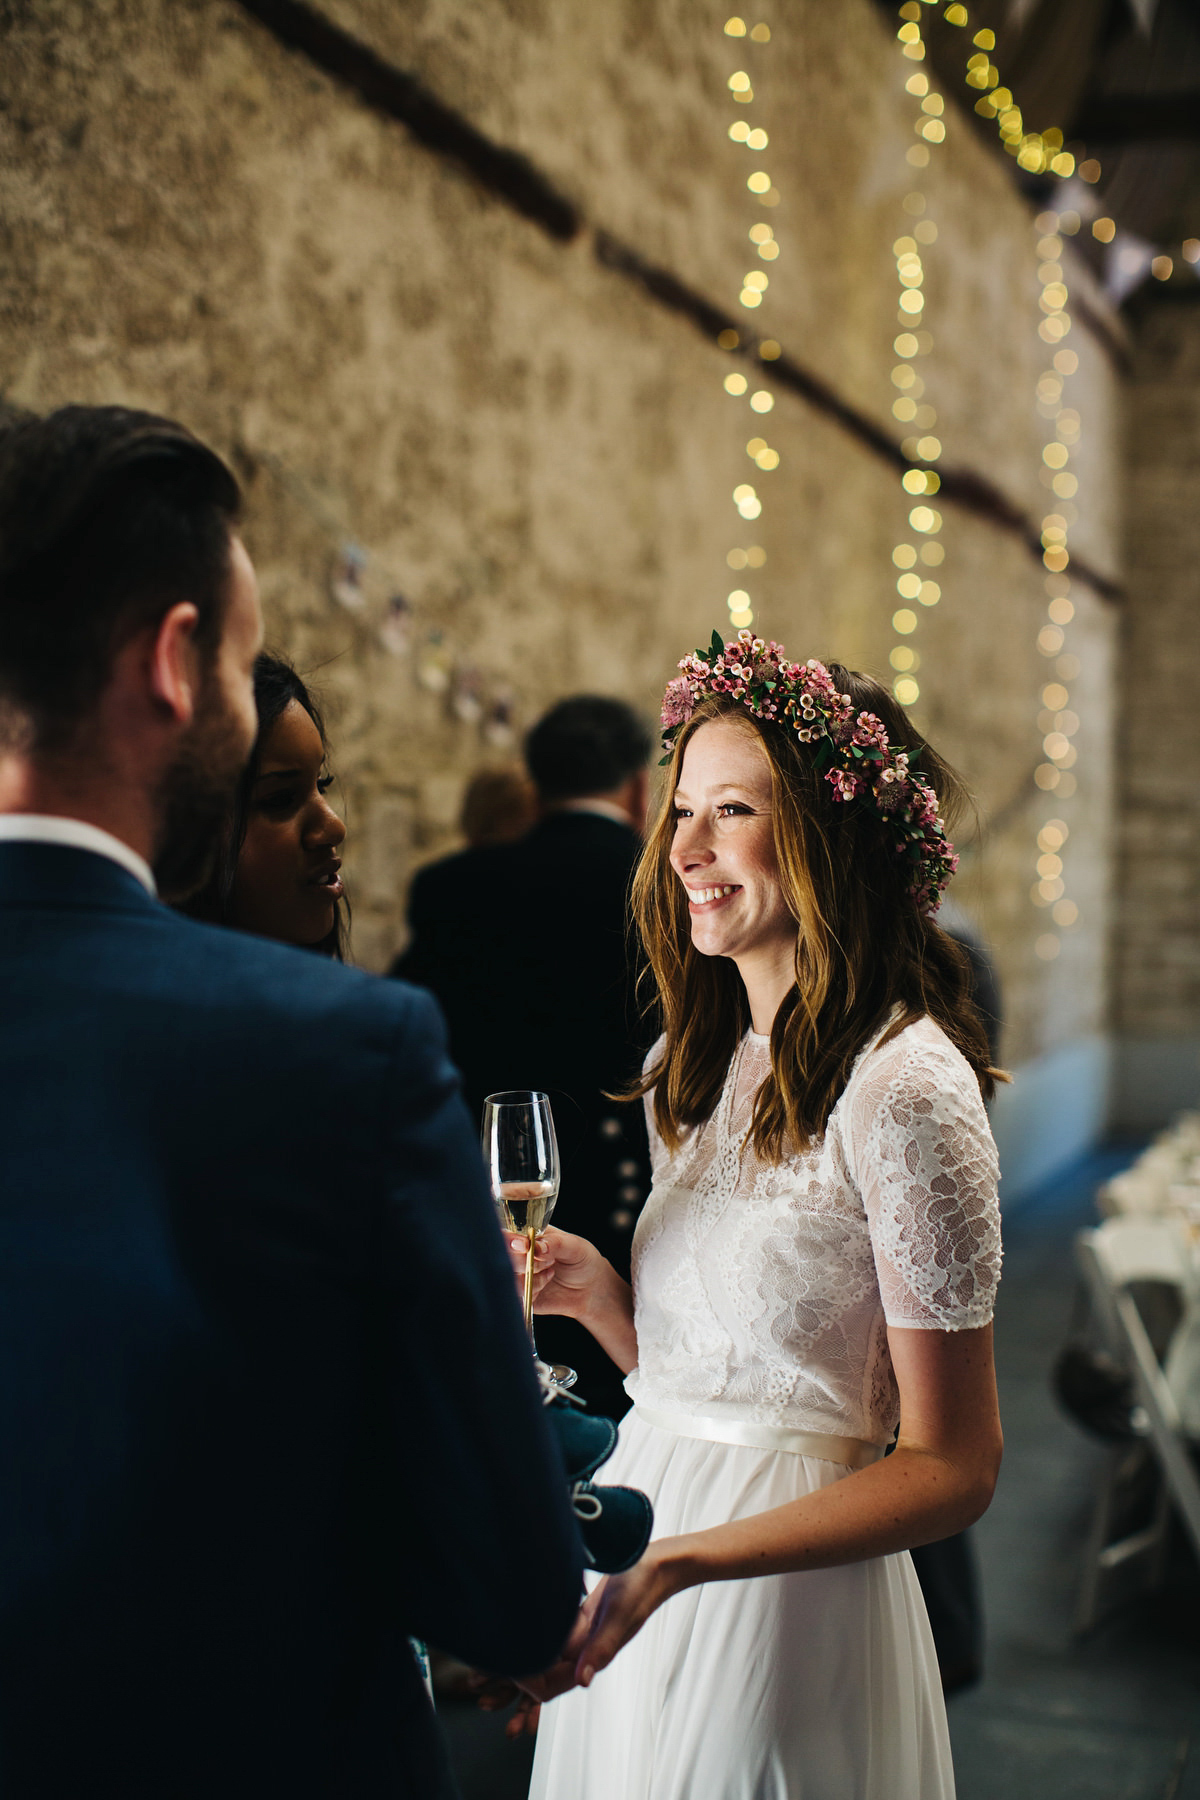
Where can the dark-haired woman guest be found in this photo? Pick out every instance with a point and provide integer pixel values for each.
(278, 870)
(814, 1268)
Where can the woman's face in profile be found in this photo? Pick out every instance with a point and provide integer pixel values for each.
(287, 884)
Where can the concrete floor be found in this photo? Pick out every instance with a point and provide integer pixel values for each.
(1113, 1717)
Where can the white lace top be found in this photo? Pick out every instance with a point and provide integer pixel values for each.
(765, 1291)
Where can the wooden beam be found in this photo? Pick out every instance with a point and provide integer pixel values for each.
(1138, 118)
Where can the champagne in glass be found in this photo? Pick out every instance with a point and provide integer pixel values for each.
(525, 1206)
(521, 1151)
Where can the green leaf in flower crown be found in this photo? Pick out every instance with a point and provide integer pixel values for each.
(717, 647)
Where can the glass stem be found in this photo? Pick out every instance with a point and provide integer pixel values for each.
(529, 1255)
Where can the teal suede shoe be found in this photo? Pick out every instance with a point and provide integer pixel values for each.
(614, 1522)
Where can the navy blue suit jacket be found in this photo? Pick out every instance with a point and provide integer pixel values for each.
(266, 1404)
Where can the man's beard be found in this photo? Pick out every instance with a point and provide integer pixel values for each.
(196, 798)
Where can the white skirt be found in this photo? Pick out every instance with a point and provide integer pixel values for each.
(817, 1686)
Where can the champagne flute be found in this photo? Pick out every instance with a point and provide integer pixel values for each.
(521, 1152)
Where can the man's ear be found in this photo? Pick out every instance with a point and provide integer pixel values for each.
(174, 664)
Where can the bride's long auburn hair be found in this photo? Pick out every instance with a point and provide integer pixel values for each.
(862, 947)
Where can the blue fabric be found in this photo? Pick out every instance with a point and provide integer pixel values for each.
(266, 1403)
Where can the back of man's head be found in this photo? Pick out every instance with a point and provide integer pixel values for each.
(585, 746)
(108, 518)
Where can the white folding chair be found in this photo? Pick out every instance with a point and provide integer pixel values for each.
(1112, 1257)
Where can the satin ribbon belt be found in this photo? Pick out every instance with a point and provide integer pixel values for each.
(830, 1447)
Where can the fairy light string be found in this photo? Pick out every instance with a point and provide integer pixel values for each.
(920, 551)
(1041, 153)
(1057, 721)
(1037, 153)
(756, 284)
(1044, 153)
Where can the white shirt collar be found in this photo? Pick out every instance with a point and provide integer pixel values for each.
(46, 828)
(603, 809)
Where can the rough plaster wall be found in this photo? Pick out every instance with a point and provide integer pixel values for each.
(1157, 990)
(529, 448)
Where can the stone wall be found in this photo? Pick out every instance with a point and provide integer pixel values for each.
(532, 450)
(1157, 986)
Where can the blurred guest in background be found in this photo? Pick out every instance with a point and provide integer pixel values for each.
(957, 923)
(527, 947)
(499, 806)
(947, 1570)
(277, 868)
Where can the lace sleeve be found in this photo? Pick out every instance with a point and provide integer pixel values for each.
(925, 1162)
(658, 1150)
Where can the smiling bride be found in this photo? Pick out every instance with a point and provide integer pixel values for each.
(813, 1273)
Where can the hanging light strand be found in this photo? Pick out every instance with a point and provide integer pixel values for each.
(921, 551)
(756, 283)
(1037, 153)
(1040, 152)
(1057, 721)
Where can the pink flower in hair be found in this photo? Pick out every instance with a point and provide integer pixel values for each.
(678, 703)
(869, 732)
(845, 784)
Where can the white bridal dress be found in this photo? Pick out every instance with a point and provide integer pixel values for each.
(760, 1297)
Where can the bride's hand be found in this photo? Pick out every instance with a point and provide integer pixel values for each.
(564, 1269)
(618, 1607)
(613, 1612)
(571, 1277)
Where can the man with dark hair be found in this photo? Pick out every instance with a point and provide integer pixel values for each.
(266, 1405)
(81, 578)
(590, 746)
(527, 947)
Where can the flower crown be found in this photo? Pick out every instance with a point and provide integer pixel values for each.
(858, 761)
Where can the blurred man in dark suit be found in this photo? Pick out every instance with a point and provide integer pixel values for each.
(948, 1570)
(266, 1404)
(527, 947)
